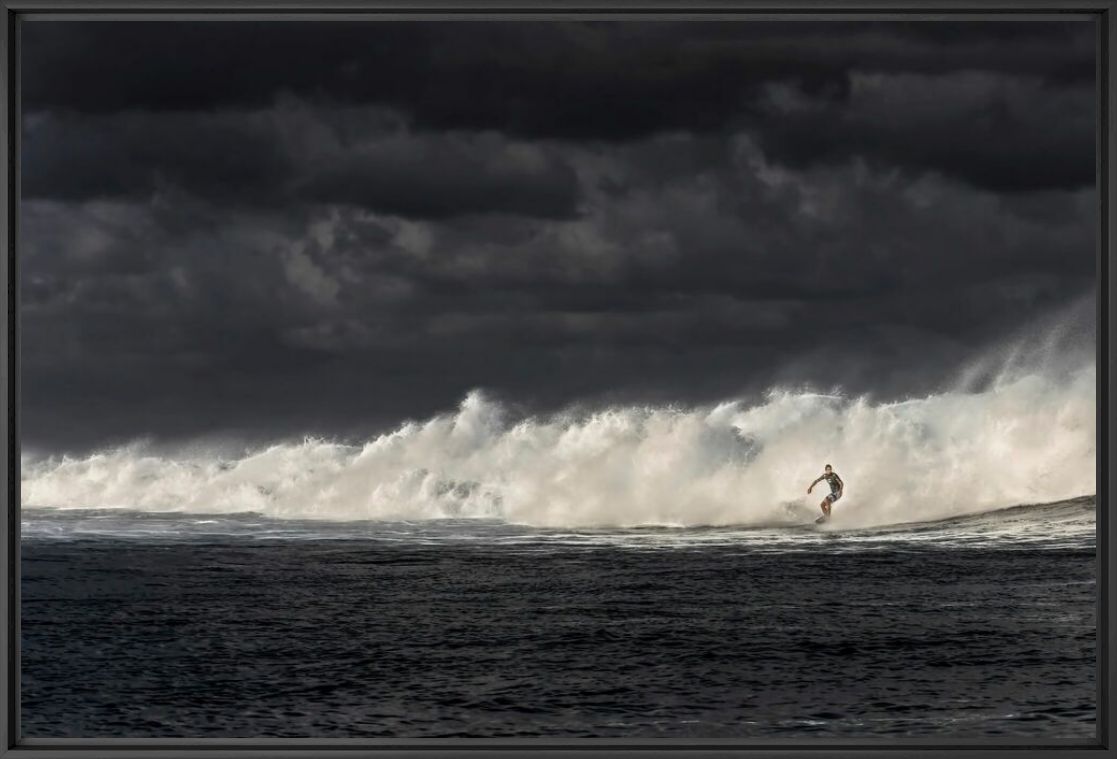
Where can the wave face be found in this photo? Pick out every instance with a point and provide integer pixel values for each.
(1025, 439)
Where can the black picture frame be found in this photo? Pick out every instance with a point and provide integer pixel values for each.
(16, 11)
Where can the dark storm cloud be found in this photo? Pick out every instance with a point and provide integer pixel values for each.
(218, 157)
(993, 132)
(430, 179)
(288, 157)
(537, 77)
(270, 231)
(586, 81)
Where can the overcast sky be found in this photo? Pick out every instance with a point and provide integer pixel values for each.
(276, 229)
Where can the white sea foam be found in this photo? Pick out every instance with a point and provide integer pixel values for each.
(1027, 437)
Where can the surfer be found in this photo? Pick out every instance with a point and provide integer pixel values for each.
(836, 488)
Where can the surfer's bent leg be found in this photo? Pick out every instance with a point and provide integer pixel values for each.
(828, 502)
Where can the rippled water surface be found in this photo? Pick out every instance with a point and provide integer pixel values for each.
(174, 625)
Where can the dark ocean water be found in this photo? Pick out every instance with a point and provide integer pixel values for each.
(167, 625)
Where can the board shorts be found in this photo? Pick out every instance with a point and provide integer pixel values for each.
(833, 497)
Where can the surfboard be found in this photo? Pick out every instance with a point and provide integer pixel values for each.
(822, 519)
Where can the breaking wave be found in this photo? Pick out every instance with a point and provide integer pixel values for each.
(1025, 438)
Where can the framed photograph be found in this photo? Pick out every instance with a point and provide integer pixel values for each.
(711, 379)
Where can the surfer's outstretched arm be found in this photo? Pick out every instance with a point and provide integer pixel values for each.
(811, 486)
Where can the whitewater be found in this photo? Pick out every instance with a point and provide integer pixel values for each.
(1027, 437)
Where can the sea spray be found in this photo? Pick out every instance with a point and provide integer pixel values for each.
(1026, 438)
